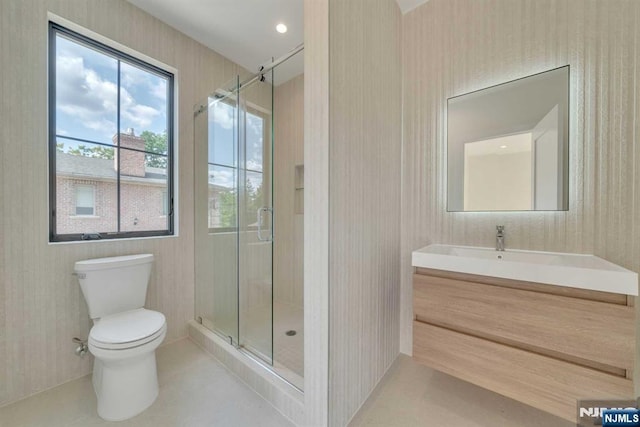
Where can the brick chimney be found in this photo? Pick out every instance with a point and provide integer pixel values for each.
(131, 162)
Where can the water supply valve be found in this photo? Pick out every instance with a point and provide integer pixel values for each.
(82, 348)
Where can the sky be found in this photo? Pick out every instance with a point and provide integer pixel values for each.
(222, 150)
(87, 95)
(87, 108)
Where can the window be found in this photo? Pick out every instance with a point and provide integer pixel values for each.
(223, 165)
(85, 200)
(110, 125)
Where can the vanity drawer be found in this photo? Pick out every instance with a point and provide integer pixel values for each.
(543, 382)
(585, 332)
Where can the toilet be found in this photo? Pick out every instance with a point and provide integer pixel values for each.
(124, 336)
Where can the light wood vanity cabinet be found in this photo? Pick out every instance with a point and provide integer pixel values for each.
(547, 346)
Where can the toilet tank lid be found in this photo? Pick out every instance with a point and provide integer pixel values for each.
(112, 262)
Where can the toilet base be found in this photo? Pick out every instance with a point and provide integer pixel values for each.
(125, 387)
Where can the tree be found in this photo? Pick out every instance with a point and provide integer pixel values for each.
(227, 207)
(155, 143)
(254, 201)
(98, 151)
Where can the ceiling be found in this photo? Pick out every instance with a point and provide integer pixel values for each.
(243, 30)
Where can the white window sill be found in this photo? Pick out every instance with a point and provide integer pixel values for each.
(106, 241)
(84, 216)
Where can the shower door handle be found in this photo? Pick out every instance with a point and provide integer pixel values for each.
(260, 237)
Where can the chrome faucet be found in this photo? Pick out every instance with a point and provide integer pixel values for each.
(500, 238)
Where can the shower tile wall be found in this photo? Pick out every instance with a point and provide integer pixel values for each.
(288, 262)
(289, 222)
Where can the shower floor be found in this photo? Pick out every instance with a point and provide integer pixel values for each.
(288, 350)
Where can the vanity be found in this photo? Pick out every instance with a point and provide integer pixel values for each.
(547, 329)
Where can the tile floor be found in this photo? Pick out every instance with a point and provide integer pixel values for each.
(411, 395)
(195, 391)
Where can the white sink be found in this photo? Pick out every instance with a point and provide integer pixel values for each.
(562, 269)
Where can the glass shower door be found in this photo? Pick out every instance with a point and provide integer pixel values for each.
(255, 231)
(234, 215)
(250, 284)
(217, 200)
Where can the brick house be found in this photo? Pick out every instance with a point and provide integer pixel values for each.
(86, 191)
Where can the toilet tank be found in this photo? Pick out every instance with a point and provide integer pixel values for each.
(116, 284)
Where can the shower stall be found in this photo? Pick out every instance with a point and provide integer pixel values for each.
(249, 191)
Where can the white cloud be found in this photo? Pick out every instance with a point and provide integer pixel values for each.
(255, 124)
(252, 164)
(138, 115)
(226, 177)
(159, 89)
(91, 99)
(132, 76)
(72, 49)
(223, 115)
(222, 177)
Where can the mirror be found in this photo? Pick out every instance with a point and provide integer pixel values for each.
(508, 146)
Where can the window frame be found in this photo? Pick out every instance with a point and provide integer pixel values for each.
(53, 31)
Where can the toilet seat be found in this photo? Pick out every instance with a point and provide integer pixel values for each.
(127, 330)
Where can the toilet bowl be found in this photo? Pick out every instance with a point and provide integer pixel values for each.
(124, 336)
(124, 371)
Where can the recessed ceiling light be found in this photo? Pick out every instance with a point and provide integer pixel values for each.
(503, 146)
(281, 28)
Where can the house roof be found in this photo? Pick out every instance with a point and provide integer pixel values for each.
(97, 168)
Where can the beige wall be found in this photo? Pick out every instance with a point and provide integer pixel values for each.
(41, 307)
(364, 198)
(316, 208)
(456, 46)
(288, 148)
